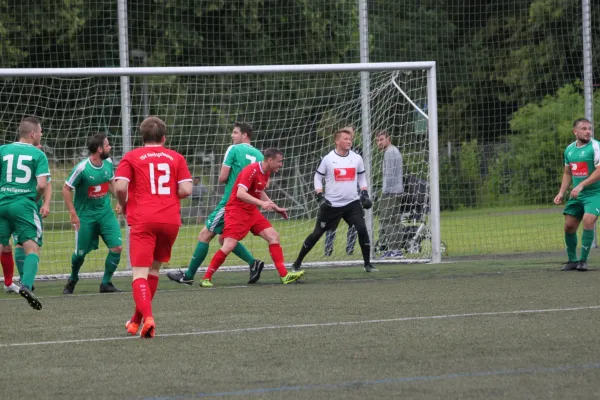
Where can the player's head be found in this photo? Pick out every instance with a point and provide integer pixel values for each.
(343, 139)
(383, 140)
(30, 130)
(582, 129)
(98, 144)
(242, 133)
(273, 159)
(153, 131)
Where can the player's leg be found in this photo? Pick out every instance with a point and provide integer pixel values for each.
(142, 242)
(591, 204)
(86, 240)
(329, 242)
(573, 212)
(354, 215)
(19, 258)
(110, 231)
(263, 228)
(218, 259)
(8, 269)
(204, 238)
(326, 220)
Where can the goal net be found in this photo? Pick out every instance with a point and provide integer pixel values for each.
(294, 112)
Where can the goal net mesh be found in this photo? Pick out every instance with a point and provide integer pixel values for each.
(294, 112)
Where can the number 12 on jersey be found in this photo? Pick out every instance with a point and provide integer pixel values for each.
(163, 180)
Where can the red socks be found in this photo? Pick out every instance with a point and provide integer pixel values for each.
(277, 256)
(142, 297)
(8, 267)
(217, 260)
(153, 285)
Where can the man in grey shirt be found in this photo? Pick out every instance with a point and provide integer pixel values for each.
(390, 228)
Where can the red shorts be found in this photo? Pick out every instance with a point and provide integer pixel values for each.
(151, 241)
(238, 224)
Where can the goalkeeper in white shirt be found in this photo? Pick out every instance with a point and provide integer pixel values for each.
(342, 169)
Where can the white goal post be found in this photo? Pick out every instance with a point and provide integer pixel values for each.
(296, 108)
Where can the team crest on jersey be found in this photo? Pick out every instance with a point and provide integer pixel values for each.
(98, 191)
(579, 168)
(344, 174)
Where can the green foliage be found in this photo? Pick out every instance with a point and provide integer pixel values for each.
(531, 168)
(460, 178)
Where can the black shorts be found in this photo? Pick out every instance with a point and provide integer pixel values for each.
(329, 217)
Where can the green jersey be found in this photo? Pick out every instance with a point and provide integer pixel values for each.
(21, 164)
(91, 188)
(237, 157)
(583, 161)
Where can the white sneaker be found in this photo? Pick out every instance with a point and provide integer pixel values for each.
(13, 288)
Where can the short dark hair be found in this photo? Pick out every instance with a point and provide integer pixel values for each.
(28, 125)
(153, 129)
(96, 141)
(382, 133)
(578, 120)
(272, 152)
(246, 128)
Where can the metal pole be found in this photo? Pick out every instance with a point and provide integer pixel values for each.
(588, 82)
(125, 95)
(363, 25)
(434, 168)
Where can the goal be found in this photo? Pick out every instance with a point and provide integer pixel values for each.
(295, 108)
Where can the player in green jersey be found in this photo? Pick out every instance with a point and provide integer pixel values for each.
(6, 257)
(239, 155)
(91, 213)
(582, 167)
(23, 178)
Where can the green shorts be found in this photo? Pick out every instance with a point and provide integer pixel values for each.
(21, 219)
(216, 220)
(584, 204)
(87, 238)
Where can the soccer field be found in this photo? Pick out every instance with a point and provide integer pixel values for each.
(502, 329)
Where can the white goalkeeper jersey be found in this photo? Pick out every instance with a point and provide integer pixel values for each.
(342, 175)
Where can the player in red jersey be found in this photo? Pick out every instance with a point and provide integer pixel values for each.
(150, 181)
(242, 216)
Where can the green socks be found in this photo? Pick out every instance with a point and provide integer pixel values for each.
(586, 244)
(242, 252)
(19, 260)
(30, 267)
(571, 241)
(76, 263)
(110, 266)
(197, 259)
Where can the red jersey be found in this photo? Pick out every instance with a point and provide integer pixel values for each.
(254, 180)
(153, 173)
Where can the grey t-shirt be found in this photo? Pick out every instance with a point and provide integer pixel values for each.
(392, 171)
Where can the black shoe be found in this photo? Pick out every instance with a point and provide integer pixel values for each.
(69, 287)
(255, 270)
(109, 288)
(582, 266)
(30, 297)
(179, 277)
(570, 266)
(370, 268)
(296, 266)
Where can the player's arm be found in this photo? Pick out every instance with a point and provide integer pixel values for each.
(45, 208)
(243, 195)
(42, 182)
(281, 211)
(566, 182)
(365, 201)
(227, 163)
(121, 182)
(184, 178)
(184, 189)
(67, 193)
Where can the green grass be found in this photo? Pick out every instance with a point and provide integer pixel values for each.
(470, 330)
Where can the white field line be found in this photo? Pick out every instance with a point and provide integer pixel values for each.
(302, 326)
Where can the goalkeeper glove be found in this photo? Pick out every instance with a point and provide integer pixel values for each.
(365, 200)
(322, 200)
